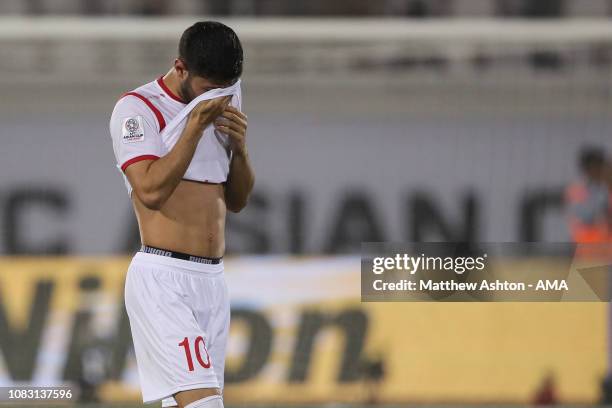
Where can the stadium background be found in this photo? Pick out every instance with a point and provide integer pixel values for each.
(368, 121)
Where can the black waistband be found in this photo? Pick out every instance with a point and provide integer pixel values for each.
(180, 255)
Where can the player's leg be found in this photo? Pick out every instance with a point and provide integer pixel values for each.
(217, 326)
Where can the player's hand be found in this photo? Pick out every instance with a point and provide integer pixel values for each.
(233, 123)
(206, 111)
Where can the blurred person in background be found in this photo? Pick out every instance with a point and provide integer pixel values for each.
(175, 292)
(373, 374)
(546, 394)
(589, 200)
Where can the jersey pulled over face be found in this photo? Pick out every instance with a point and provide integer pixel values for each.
(147, 122)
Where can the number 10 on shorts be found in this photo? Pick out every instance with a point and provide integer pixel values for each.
(199, 340)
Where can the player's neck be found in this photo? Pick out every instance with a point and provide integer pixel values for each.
(172, 82)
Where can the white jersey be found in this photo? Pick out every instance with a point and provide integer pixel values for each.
(138, 131)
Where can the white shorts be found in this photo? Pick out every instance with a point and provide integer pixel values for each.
(179, 316)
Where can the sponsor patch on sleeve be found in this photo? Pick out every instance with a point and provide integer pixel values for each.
(132, 129)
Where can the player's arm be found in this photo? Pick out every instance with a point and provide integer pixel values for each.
(241, 177)
(153, 181)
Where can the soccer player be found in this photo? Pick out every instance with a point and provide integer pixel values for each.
(175, 292)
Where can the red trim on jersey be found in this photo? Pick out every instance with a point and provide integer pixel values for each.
(137, 159)
(162, 84)
(157, 112)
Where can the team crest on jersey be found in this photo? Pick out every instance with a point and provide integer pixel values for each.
(133, 130)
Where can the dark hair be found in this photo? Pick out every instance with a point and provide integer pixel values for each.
(591, 156)
(211, 50)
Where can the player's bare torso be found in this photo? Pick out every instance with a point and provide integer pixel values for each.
(191, 221)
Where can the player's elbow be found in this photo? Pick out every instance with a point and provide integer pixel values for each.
(237, 202)
(236, 206)
(236, 199)
(153, 200)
